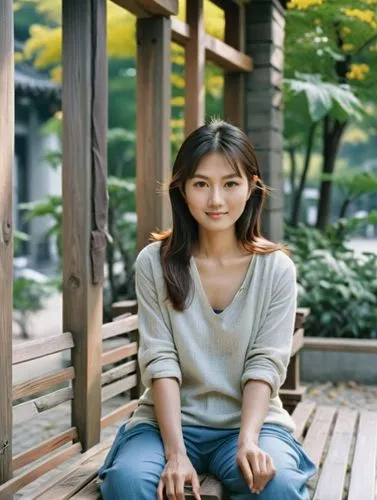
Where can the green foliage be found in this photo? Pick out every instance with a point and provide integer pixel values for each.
(28, 298)
(339, 287)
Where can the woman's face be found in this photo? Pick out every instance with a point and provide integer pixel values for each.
(216, 196)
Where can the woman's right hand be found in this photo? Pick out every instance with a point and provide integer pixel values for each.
(178, 471)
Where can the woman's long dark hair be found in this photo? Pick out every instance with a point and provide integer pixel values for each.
(178, 242)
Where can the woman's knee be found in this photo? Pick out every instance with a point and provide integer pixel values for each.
(128, 483)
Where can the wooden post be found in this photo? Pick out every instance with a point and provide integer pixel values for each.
(153, 125)
(6, 242)
(265, 24)
(84, 144)
(234, 91)
(195, 67)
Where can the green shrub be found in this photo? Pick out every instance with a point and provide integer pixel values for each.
(338, 286)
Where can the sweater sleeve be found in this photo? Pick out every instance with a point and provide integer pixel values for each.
(268, 356)
(157, 352)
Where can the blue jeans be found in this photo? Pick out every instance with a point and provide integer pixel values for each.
(136, 460)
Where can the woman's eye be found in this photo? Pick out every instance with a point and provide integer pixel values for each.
(200, 184)
(231, 184)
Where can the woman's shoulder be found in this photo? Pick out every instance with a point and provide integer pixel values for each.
(149, 255)
(277, 263)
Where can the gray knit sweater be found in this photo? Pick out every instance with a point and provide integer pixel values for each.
(214, 355)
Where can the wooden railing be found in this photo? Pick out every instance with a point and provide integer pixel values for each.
(119, 375)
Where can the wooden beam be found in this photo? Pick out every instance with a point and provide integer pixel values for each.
(195, 67)
(84, 145)
(180, 31)
(147, 8)
(226, 56)
(153, 125)
(234, 83)
(6, 237)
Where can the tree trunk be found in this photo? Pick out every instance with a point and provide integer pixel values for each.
(332, 133)
(343, 208)
(295, 214)
(292, 176)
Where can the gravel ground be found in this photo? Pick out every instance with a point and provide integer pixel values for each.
(348, 394)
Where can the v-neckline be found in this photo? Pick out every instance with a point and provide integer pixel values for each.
(202, 292)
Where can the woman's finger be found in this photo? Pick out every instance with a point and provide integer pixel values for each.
(179, 488)
(263, 477)
(195, 486)
(169, 487)
(254, 463)
(160, 490)
(244, 465)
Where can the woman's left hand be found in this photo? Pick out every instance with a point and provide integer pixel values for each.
(256, 465)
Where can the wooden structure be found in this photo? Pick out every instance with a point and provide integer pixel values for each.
(118, 374)
(252, 100)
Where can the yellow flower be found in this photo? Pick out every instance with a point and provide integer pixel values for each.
(365, 16)
(347, 47)
(177, 81)
(177, 101)
(346, 30)
(303, 4)
(358, 71)
(179, 123)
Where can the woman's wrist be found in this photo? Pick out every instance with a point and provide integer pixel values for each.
(175, 452)
(248, 436)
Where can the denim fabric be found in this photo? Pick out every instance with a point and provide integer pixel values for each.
(133, 466)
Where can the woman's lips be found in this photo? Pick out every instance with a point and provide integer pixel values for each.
(216, 215)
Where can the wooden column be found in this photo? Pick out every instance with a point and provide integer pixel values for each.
(195, 67)
(234, 88)
(264, 121)
(6, 243)
(84, 143)
(153, 125)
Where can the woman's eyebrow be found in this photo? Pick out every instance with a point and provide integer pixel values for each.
(229, 176)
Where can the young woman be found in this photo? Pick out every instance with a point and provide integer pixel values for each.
(216, 312)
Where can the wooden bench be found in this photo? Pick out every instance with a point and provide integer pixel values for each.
(342, 443)
(120, 374)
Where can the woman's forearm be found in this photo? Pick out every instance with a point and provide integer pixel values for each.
(255, 402)
(167, 404)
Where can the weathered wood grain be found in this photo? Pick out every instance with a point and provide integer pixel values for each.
(34, 349)
(153, 125)
(84, 126)
(6, 237)
(195, 67)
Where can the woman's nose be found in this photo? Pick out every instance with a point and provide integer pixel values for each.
(215, 198)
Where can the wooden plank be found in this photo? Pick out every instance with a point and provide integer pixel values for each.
(6, 236)
(332, 479)
(31, 475)
(77, 476)
(118, 414)
(315, 440)
(298, 341)
(153, 125)
(160, 7)
(180, 31)
(118, 372)
(90, 492)
(225, 56)
(195, 67)
(119, 353)
(43, 383)
(84, 145)
(301, 416)
(301, 314)
(44, 448)
(123, 306)
(119, 327)
(363, 472)
(123, 385)
(147, 8)
(39, 348)
(234, 98)
(341, 345)
(27, 411)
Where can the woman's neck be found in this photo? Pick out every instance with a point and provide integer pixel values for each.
(217, 245)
